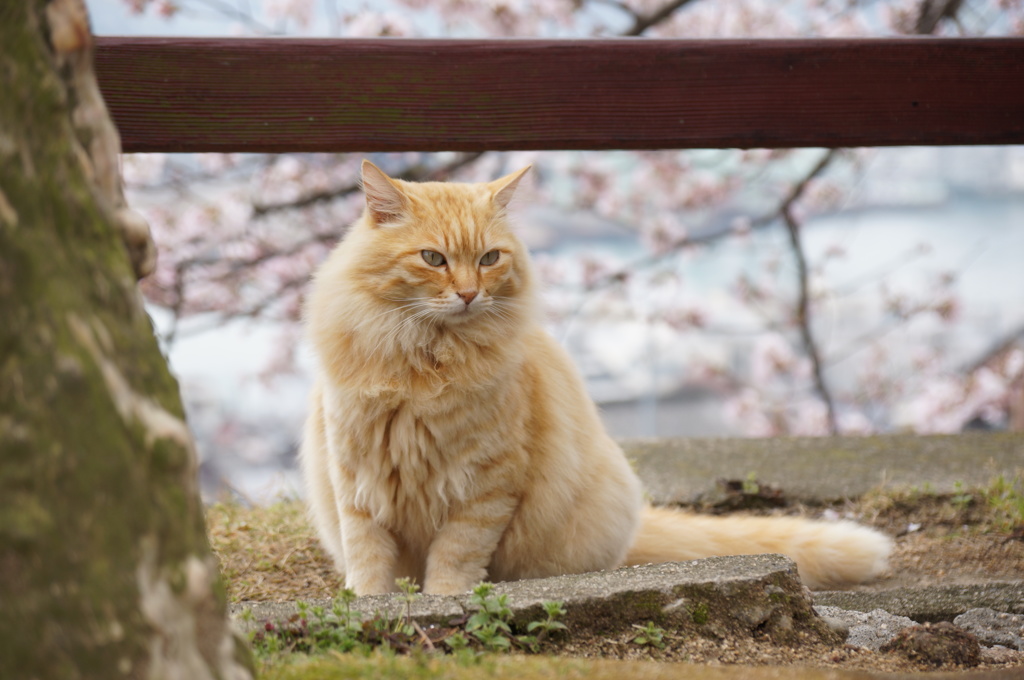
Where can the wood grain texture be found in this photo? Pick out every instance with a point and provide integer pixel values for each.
(259, 95)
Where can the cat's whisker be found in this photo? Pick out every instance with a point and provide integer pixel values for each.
(412, 303)
(396, 310)
(506, 309)
(509, 306)
(505, 318)
(411, 299)
(508, 302)
(395, 332)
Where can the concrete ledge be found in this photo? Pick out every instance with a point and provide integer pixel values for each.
(931, 604)
(823, 468)
(719, 597)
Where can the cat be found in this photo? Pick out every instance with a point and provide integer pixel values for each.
(450, 438)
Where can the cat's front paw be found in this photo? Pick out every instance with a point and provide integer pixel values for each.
(372, 584)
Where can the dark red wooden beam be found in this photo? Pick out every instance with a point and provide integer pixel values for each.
(245, 95)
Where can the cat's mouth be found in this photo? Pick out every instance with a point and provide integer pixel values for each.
(462, 312)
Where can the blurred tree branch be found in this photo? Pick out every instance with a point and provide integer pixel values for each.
(641, 22)
(803, 307)
(414, 173)
(932, 12)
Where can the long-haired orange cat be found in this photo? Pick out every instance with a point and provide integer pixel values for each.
(450, 438)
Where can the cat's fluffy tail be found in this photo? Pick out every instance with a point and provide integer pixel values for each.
(827, 554)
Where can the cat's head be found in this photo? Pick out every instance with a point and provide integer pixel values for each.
(442, 253)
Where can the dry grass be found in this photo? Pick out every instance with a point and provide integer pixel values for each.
(269, 553)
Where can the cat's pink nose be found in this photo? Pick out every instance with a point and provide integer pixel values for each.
(467, 295)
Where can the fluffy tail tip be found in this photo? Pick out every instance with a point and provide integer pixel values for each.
(844, 554)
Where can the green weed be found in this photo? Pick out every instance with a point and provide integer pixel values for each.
(650, 635)
(961, 500)
(314, 629)
(1005, 498)
(700, 614)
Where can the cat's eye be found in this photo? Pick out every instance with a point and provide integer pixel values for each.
(433, 258)
(489, 258)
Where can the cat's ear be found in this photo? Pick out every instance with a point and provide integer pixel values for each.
(506, 186)
(384, 198)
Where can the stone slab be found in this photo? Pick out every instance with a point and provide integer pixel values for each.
(683, 470)
(717, 597)
(871, 629)
(994, 627)
(930, 604)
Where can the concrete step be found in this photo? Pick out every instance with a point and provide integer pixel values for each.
(823, 469)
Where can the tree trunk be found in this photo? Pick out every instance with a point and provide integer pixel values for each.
(105, 568)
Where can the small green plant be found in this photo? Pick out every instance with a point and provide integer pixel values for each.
(1005, 497)
(699, 613)
(961, 500)
(554, 611)
(491, 606)
(315, 630)
(344, 631)
(539, 631)
(410, 593)
(750, 485)
(490, 623)
(495, 636)
(650, 635)
(457, 642)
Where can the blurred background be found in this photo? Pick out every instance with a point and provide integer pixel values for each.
(672, 277)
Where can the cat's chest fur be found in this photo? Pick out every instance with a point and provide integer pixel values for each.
(411, 459)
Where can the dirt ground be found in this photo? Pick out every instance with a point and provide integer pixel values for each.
(949, 539)
(945, 540)
(270, 553)
(939, 540)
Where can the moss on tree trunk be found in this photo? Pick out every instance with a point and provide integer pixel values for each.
(105, 569)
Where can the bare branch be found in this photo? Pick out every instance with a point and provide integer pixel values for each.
(415, 173)
(932, 12)
(803, 311)
(642, 23)
(693, 241)
(803, 318)
(798, 190)
(621, 6)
